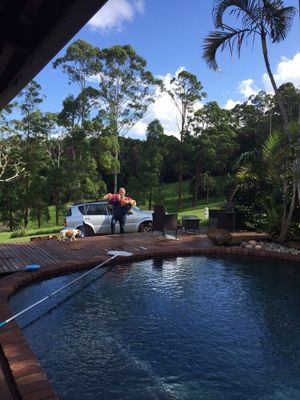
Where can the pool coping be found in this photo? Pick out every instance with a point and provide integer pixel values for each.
(23, 375)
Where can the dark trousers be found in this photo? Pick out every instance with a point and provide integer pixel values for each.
(118, 218)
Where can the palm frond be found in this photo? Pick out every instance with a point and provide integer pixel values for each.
(220, 40)
(248, 176)
(278, 18)
(272, 145)
(246, 7)
(276, 153)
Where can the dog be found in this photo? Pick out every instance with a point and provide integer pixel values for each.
(69, 234)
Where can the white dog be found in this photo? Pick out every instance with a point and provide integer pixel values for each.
(69, 234)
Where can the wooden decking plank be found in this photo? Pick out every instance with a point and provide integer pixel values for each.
(33, 253)
(64, 250)
(11, 255)
(88, 248)
(5, 268)
(6, 264)
(20, 255)
(43, 256)
(54, 253)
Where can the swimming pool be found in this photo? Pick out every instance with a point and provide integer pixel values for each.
(182, 328)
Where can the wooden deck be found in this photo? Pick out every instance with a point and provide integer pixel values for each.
(13, 257)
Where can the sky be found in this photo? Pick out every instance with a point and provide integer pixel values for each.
(169, 35)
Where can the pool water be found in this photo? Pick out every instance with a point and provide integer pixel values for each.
(182, 328)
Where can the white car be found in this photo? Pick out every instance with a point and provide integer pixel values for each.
(93, 218)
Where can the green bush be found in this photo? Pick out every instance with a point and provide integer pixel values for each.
(18, 233)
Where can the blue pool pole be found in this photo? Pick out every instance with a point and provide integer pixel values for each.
(114, 254)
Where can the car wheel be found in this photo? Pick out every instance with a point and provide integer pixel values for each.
(86, 230)
(146, 227)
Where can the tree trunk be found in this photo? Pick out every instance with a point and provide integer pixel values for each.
(26, 206)
(197, 182)
(115, 182)
(287, 215)
(116, 174)
(180, 170)
(298, 156)
(150, 199)
(277, 94)
(56, 211)
(180, 181)
(39, 217)
(10, 209)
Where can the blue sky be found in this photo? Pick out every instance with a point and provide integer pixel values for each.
(169, 34)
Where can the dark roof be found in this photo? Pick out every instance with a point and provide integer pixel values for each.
(32, 32)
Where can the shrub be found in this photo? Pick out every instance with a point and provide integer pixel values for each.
(17, 234)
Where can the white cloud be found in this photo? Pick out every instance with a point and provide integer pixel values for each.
(230, 104)
(164, 110)
(288, 70)
(247, 88)
(115, 13)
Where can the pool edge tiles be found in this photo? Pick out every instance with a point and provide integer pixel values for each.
(28, 378)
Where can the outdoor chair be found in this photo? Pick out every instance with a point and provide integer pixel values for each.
(158, 209)
(163, 222)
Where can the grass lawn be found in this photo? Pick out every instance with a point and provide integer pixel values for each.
(170, 196)
(47, 228)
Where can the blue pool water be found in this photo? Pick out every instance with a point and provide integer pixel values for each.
(184, 328)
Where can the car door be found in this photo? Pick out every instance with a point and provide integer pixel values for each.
(96, 216)
(132, 220)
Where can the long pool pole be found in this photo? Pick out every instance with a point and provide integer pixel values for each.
(4, 323)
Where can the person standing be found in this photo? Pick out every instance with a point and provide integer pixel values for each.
(120, 205)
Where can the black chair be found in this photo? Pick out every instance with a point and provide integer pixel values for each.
(159, 209)
(222, 219)
(163, 222)
(191, 223)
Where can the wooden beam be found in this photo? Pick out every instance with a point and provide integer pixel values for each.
(67, 24)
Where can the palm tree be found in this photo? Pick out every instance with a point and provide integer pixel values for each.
(263, 18)
(267, 19)
(272, 167)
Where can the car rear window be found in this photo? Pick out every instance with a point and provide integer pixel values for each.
(82, 209)
(93, 209)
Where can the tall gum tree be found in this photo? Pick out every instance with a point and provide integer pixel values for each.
(11, 167)
(126, 89)
(185, 91)
(33, 130)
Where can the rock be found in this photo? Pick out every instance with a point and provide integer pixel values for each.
(253, 242)
(258, 247)
(219, 237)
(248, 246)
